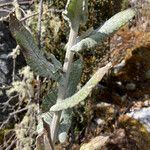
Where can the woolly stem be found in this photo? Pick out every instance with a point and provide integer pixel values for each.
(63, 87)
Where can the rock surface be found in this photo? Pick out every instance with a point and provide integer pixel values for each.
(7, 43)
(143, 115)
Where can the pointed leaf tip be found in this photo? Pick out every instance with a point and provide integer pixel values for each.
(31, 52)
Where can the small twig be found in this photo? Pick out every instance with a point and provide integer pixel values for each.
(5, 122)
(37, 95)
(14, 69)
(11, 115)
(39, 26)
(48, 134)
(9, 140)
(29, 16)
(5, 10)
(30, 127)
(36, 13)
(39, 23)
(5, 87)
(6, 104)
(20, 3)
(18, 111)
(12, 143)
(29, 92)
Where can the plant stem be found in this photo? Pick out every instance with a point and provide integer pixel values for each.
(63, 87)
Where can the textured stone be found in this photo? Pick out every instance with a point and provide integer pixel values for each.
(143, 115)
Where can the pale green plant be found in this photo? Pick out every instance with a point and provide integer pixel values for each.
(67, 76)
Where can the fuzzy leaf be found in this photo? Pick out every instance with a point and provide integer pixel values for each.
(105, 31)
(83, 93)
(74, 77)
(47, 117)
(49, 100)
(76, 12)
(33, 55)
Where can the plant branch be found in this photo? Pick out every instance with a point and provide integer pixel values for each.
(36, 13)
(20, 3)
(5, 10)
(39, 23)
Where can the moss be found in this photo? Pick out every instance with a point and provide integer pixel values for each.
(1, 136)
(125, 4)
(135, 131)
(4, 132)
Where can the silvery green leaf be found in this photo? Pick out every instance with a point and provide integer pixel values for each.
(74, 78)
(76, 12)
(30, 50)
(105, 31)
(49, 100)
(83, 92)
(47, 118)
